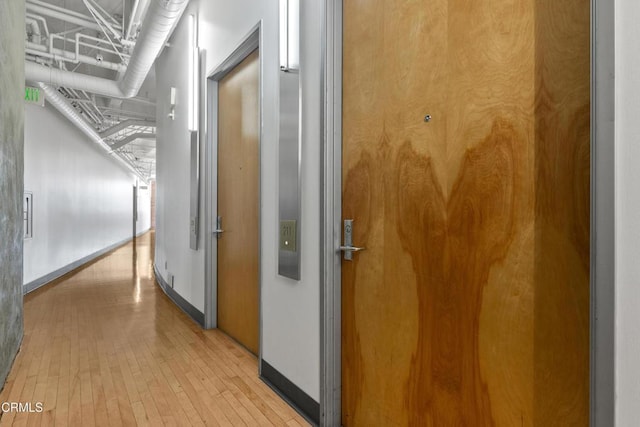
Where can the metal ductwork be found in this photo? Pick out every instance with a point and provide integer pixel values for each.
(66, 109)
(161, 18)
(62, 105)
(56, 77)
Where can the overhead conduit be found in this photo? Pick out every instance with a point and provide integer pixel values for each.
(125, 124)
(157, 26)
(161, 18)
(61, 104)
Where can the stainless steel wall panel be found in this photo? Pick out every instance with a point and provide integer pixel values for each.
(289, 173)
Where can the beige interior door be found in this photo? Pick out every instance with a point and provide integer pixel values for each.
(470, 304)
(238, 202)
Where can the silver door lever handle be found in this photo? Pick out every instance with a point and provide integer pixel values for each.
(348, 247)
(351, 249)
(218, 231)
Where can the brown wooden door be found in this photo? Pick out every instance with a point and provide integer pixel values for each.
(470, 304)
(238, 202)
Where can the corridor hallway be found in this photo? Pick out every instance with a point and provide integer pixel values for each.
(105, 346)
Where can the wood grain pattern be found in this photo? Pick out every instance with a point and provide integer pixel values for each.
(470, 305)
(104, 346)
(561, 336)
(238, 202)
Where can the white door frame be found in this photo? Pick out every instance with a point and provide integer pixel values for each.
(602, 275)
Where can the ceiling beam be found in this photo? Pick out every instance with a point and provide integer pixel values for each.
(123, 125)
(130, 138)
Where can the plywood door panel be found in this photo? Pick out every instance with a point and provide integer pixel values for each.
(475, 223)
(561, 315)
(238, 202)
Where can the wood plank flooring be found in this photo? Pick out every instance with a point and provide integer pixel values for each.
(104, 346)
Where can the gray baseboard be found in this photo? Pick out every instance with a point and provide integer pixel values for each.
(184, 305)
(291, 393)
(38, 283)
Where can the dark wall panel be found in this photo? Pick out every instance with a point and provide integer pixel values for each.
(11, 179)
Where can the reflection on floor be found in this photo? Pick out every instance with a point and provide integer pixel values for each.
(105, 346)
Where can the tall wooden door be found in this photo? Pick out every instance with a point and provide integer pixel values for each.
(238, 202)
(470, 304)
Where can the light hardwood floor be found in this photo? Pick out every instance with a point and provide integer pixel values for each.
(105, 346)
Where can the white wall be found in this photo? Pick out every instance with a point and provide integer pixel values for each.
(82, 200)
(627, 213)
(173, 254)
(290, 309)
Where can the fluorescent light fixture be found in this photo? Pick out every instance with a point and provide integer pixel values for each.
(172, 103)
(193, 75)
(289, 35)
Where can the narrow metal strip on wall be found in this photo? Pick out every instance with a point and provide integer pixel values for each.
(289, 176)
(603, 331)
(194, 200)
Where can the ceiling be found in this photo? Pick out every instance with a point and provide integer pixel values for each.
(51, 29)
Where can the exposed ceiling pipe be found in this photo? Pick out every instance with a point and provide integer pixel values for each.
(106, 14)
(162, 17)
(131, 138)
(63, 106)
(120, 114)
(58, 8)
(123, 125)
(97, 16)
(65, 55)
(85, 21)
(141, 100)
(134, 10)
(41, 20)
(57, 77)
(136, 18)
(158, 24)
(36, 35)
(60, 103)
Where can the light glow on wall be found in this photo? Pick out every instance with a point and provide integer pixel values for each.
(193, 74)
(289, 35)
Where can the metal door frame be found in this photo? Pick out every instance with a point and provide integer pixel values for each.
(330, 216)
(602, 246)
(135, 210)
(248, 44)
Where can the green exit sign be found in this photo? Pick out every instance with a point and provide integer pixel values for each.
(33, 95)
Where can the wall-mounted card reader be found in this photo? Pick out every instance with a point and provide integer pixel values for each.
(288, 236)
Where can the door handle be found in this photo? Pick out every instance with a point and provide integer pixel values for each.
(348, 247)
(351, 249)
(218, 231)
